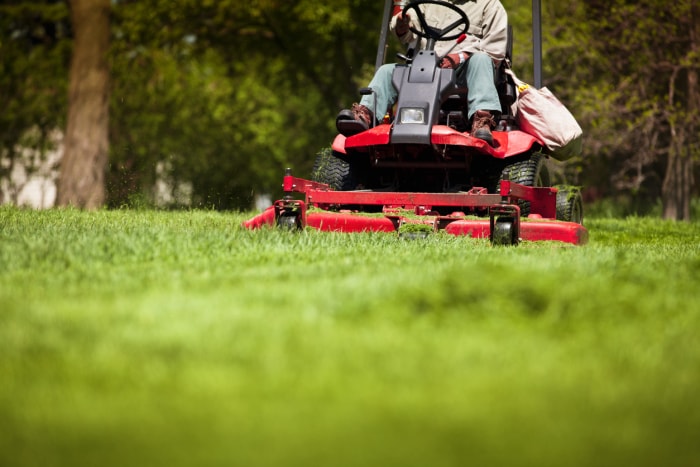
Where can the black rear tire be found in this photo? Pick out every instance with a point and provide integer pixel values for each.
(569, 204)
(333, 171)
(530, 172)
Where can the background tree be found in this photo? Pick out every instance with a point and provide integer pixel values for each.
(218, 97)
(655, 67)
(82, 177)
(634, 88)
(230, 93)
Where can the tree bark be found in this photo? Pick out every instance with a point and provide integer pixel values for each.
(678, 183)
(82, 174)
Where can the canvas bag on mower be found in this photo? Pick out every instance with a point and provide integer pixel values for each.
(541, 114)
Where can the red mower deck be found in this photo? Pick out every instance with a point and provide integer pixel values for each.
(345, 211)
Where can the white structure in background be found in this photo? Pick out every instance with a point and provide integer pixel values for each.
(32, 177)
(262, 201)
(167, 191)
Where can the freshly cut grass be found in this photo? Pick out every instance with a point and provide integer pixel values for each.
(161, 338)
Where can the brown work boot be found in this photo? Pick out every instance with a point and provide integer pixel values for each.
(353, 121)
(482, 124)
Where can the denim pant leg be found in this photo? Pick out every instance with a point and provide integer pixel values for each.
(384, 91)
(480, 77)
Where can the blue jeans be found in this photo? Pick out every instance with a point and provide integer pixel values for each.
(478, 76)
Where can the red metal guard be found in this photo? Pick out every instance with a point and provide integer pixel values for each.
(400, 208)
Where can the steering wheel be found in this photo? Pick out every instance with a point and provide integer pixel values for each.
(430, 32)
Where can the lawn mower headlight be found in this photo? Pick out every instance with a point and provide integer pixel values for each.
(412, 115)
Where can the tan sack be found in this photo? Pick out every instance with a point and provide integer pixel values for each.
(540, 114)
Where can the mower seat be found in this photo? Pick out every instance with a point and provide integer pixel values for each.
(504, 82)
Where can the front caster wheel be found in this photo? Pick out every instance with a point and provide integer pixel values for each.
(504, 232)
(289, 221)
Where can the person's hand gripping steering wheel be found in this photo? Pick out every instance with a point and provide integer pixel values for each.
(433, 33)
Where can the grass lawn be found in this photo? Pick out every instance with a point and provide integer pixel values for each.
(144, 338)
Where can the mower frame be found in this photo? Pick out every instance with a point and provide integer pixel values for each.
(475, 211)
(504, 225)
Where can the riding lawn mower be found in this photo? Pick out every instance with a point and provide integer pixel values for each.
(419, 170)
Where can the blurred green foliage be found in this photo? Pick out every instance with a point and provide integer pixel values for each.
(221, 96)
(35, 48)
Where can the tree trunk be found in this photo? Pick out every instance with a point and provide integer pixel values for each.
(678, 183)
(82, 175)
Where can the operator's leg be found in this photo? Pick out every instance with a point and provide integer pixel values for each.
(481, 74)
(384, 91)
(482, 98)
(359, 118)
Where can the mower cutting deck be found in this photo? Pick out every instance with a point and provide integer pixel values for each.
(347, 211)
